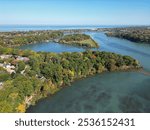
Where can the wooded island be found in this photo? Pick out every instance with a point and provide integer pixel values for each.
(82, 40)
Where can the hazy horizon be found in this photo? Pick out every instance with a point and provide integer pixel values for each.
(75, 12)
(34, 24)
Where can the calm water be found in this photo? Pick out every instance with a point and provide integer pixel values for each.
(51, 47)
(107, 92)
(9, 28)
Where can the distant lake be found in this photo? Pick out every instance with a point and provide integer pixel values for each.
(106, 92)
(9, 28)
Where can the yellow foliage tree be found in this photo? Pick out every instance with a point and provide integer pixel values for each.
(21, 108)
(72, 73)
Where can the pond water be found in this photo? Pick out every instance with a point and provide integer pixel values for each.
(106, 92)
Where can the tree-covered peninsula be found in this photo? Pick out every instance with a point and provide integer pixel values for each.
(26, 76)
(135, 34)
(82, 40)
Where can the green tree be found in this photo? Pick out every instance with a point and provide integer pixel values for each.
(21, 66)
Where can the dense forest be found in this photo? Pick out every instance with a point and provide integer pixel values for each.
(140, 35)
(35, 75)
(20, 38)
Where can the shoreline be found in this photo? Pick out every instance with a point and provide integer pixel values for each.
(75, 27)
(80, 29)
(34, 102)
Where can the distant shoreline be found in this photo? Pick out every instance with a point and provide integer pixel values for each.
(12, 28)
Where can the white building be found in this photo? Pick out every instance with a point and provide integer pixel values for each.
(5, 56)
(1, 85)
(8, 67)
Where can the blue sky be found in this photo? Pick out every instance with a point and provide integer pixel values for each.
(75, 12)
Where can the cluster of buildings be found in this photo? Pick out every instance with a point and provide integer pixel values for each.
(8, 66)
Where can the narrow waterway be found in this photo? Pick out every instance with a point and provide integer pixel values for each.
(106, 92)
